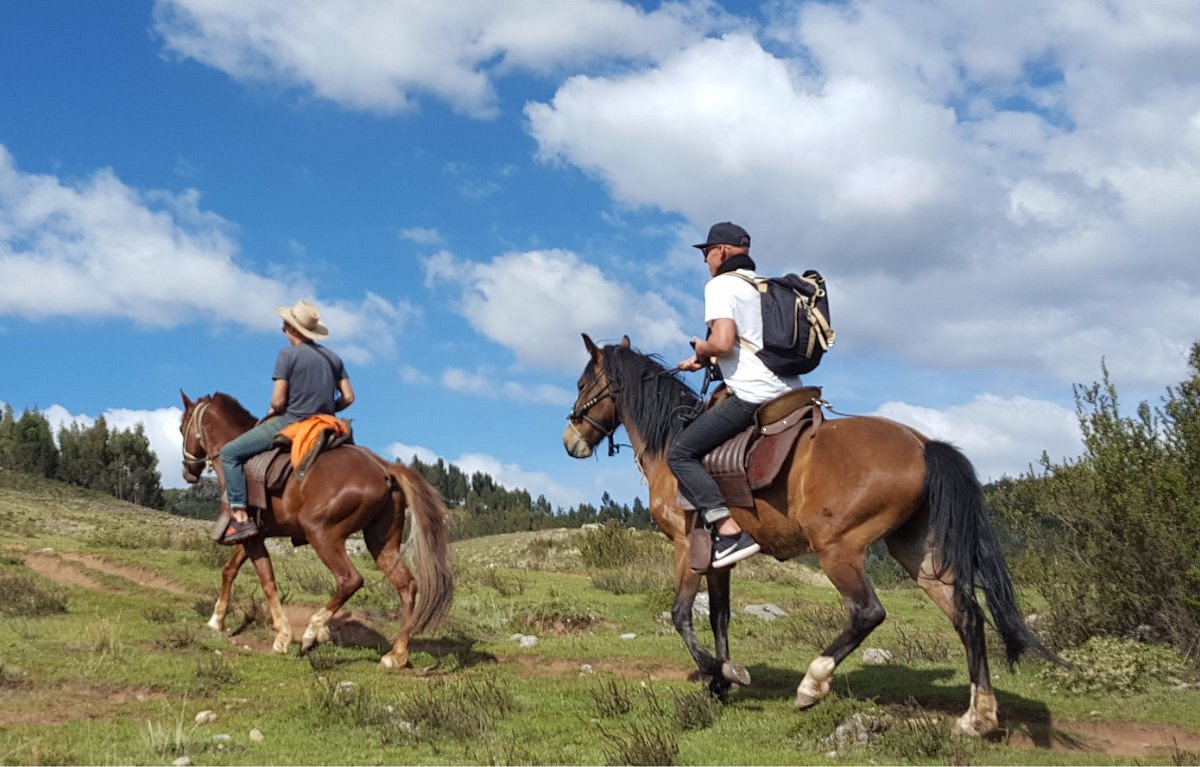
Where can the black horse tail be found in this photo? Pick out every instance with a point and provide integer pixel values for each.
(969, 551)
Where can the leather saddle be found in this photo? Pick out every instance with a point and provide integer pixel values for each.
(752, 460)
(267, 473)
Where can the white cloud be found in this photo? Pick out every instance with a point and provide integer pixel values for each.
(537, 303)
(981, 192)
(1002, 436)
(379, 56)
(487, 384)
(421, 235)
(99, 248)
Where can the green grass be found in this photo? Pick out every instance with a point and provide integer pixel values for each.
(119, 675)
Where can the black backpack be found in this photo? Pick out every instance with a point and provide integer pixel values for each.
(795, 315)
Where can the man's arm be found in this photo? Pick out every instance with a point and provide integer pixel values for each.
(347, 395)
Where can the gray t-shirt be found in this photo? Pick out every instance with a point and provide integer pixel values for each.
(312, 373)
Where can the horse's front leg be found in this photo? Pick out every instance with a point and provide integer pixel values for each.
(257, 550)
(718, 618)
(237, 558)
(687, 585)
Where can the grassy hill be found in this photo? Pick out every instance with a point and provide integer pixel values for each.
(105, 658)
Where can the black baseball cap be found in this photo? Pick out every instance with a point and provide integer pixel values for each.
(726, 233)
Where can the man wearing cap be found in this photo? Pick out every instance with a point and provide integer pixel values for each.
(309, 379)
(732, 309)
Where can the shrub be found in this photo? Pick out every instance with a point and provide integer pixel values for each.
(1115, 666)
(24, 596)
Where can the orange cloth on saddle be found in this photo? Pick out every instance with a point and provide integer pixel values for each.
(305, 434)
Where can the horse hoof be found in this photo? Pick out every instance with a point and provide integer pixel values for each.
(216, 624)
(735, 672)
(393, 661)
(970, 727)
(804, 700)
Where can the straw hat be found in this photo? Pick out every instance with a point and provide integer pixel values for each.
(304, 319)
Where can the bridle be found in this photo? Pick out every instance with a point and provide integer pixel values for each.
(196, 421)
(580, 413)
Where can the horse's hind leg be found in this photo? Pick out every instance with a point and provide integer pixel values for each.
(347, 581)
(237, 558)
(383, 539)
(845, 569)
(908, 548)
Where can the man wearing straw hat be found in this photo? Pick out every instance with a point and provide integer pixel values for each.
(309, 379)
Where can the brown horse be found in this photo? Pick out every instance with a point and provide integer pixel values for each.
(346, 490)
(852, 482)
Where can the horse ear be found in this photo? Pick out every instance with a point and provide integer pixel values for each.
(186, 402)
(625, 342)
(591, 347)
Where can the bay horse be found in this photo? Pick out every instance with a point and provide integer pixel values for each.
(847, 484)
(346, 490)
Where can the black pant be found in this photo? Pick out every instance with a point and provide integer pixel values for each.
(703, 435)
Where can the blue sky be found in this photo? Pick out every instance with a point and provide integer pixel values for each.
(1000, 195)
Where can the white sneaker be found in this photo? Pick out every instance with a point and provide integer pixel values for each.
(728, 550)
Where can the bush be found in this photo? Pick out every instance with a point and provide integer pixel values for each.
(24, 596)
(1110, 539)
(1116, 666)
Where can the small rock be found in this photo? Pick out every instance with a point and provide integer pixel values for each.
(876, 656)
(223, 737)
(859, 730)
(345, 692)
(47, 550)
(515, 637)
(529, 641)
(256, 735)
(206, 717)
(627, 637)
(586, 669)
(182, 761)
(767, 612)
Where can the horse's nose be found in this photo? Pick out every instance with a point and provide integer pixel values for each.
(574, 444)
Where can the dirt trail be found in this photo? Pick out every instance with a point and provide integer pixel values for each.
(72, 569)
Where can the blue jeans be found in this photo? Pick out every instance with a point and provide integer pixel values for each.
(703, 435)
(238, 450)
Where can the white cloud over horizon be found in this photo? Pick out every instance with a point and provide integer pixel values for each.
(98, 248)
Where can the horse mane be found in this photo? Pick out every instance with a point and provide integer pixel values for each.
(231, 407)
(656, 401)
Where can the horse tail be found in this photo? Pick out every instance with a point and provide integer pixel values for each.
(429, 549)
(968, 548)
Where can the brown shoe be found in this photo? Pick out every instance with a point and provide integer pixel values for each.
(237, 532)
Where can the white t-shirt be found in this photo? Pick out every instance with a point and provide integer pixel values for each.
(727, 297)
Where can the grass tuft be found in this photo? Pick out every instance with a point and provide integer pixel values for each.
(22, 595)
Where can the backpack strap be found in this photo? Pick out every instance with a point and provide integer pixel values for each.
(760, 284)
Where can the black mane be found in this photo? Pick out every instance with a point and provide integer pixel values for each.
(654, 399)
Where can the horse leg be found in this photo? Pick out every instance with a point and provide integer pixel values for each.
(347, 581)
(687, 584)
(845, 569)
(718, 618)
(256, 548)
(229, 572)
(386, 549)
(908, 549)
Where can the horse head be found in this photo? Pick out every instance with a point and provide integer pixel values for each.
(191, 427)
(594, 416)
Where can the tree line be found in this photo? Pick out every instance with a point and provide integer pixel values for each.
(117, 462)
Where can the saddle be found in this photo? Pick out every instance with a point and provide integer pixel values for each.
(267, 473)
(752, 460)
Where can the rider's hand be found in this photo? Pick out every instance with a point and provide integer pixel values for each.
(692, 363)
